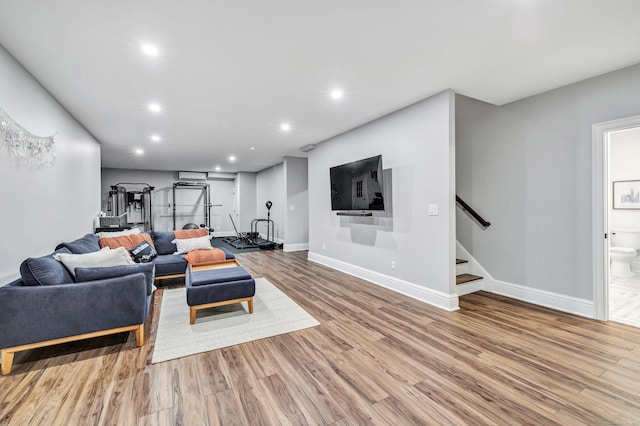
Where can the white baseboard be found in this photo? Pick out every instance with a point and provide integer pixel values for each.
(295, 247)
(560, 302)
(436, 298)
(224, 234)
(275, 240)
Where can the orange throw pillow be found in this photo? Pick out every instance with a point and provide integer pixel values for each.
(126, 241)
(195, 257)
(183, 234)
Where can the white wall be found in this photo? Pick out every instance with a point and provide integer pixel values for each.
(526, 167)
(271, 186)
(296, 211)
(417, 148)
(221, 192)
(44, 207)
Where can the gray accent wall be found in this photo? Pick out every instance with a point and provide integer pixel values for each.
(526, 167)
(271, 186)
(44, 207)
(417, 147)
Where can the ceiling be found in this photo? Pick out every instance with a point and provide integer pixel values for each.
(229, 73)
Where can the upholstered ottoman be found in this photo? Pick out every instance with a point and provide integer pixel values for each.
(217, 285)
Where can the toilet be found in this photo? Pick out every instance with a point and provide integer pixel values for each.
(624, 243)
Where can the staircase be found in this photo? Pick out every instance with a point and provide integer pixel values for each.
(465, 282)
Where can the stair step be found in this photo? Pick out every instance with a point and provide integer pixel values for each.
(465, 278)
(459, 261)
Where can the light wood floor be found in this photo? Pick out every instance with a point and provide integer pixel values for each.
(376, 358)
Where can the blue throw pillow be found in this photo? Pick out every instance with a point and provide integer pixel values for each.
(87, 244)
(105, 272)
(162, 241)
(143, 252)
(44, 270)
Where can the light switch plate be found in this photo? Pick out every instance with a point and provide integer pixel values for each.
(433, 210)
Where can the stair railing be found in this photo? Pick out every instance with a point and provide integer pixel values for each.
(472, 212)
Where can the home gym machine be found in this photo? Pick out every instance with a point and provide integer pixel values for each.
(268, 243)
(246, 240)
(135, 203)
(205, 203)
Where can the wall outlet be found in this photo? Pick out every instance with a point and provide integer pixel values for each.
(393, 264)
(433, 210)
(292, 207)
(324, 246)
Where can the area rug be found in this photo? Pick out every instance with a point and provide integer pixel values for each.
(274, 313)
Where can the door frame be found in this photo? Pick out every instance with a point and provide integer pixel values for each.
(600, 208)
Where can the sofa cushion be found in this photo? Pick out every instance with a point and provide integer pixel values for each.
(186, 245)
(102, 273)
(44, 270)
(104, 257)
(169, 264)
(162, 241)
(143, 252)
(227, 254)
(86, 244)
(222, 275)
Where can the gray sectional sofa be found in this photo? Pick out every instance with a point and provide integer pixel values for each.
(48, 305)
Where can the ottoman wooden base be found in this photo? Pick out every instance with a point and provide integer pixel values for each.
(194, 309)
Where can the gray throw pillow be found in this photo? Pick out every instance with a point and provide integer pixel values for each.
(44, 270)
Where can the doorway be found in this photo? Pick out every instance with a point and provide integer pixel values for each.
(616, 158)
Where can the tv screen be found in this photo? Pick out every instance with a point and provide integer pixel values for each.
(357, 185)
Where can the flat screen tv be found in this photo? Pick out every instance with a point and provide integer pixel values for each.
(357, 185)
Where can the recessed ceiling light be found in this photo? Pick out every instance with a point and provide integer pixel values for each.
(155, 138)
(217, 168)
(154, 107)
(285, 127)
(150, 49)
(253, 148)
(139, 151)
(337, 93)
(232, 158)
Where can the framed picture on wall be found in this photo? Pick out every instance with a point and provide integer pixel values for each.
(626, 194)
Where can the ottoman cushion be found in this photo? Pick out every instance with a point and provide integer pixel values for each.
(214, 276)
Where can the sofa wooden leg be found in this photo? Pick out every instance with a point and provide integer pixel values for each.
(7, 361)
(192, 315)
(250, 303)
(140, 335)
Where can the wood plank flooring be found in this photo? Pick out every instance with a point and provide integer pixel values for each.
(377, 358)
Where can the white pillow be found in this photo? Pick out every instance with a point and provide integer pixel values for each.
(188, 244)
(105, 257)
(108, 234)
